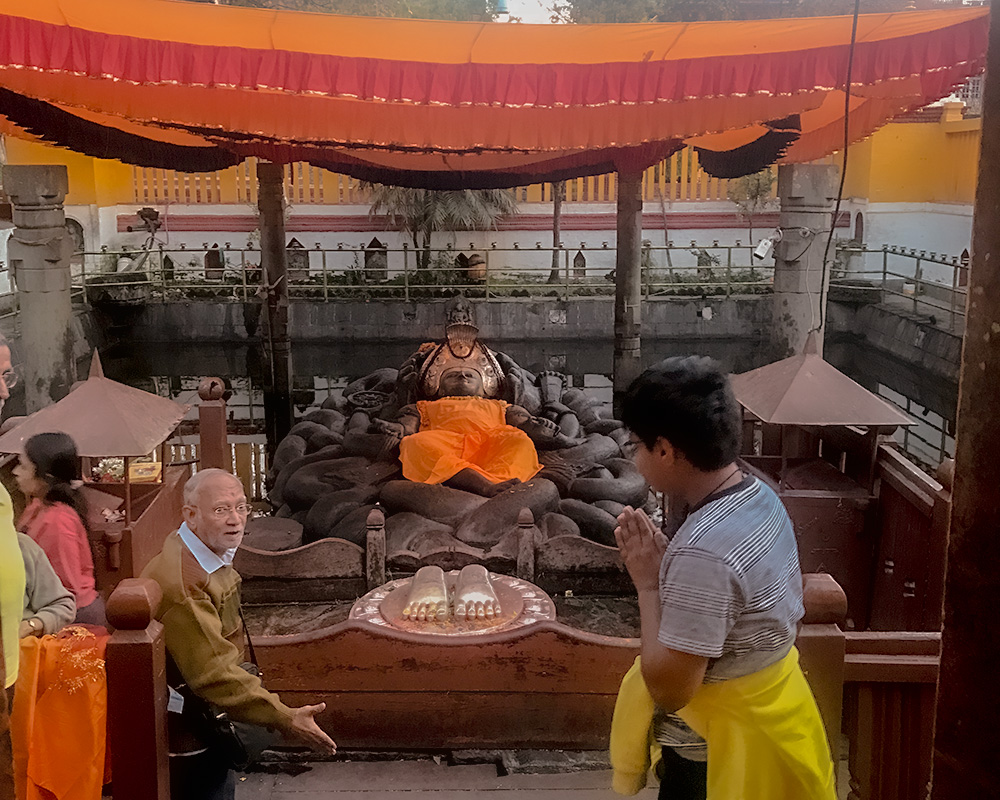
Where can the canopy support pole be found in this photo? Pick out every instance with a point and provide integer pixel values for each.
(628, 285)
(274, 269)
(967, 705)
(39, 252)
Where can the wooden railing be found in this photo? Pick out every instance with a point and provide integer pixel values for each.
(677, 178)
(890, 685)
(247, 460)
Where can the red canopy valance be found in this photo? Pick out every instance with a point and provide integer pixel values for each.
(195, 87)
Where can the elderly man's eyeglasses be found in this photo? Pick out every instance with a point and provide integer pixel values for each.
(9, 378)
(224, 511)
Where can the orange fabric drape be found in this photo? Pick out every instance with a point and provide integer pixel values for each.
(59, 721)
(459, 433)
(452, 104)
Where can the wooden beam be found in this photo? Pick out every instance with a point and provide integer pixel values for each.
(628, 284)
(967, 711)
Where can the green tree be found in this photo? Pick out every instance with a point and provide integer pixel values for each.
(752, 195)
(421, 212)
(588, 11)
(461, 10)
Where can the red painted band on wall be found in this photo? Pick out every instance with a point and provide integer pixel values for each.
(362, 223)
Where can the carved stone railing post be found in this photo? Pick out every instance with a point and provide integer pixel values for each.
(137, 693)
(213, 448)
(39, 251)
(526, 540)
(375, 549)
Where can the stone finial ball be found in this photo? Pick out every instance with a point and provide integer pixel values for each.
(211, 389)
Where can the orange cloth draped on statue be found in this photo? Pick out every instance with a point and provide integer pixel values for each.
(459, 433)
(59, 722)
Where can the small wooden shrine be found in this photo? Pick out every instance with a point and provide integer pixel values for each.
(129, 518)
(814, 435)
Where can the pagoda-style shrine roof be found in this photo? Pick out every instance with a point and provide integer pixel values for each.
(104, 418)
(199, 87)
(806, 390)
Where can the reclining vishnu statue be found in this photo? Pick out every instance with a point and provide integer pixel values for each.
(463, 436)
(452, 446)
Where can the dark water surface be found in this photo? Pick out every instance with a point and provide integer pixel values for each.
(319, 370)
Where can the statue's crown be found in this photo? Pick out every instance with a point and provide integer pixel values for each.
(462, 349)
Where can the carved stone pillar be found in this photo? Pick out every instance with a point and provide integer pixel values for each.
(807, 193)
(39, 250)
(628, 284)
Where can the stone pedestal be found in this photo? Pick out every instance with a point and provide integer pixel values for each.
(39, 250)
(807, 193)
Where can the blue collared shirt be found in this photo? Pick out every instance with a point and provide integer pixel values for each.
(209, 560)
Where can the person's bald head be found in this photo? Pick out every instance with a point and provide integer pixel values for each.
(215, 509)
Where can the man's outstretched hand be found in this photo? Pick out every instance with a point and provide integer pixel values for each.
(303, 728)
(642, 547)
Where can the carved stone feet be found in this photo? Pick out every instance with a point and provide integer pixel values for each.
(474, 597)
(428, 600)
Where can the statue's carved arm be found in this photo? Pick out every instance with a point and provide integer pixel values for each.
(545, 433)
(407, 422)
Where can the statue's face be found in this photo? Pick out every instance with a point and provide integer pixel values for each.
(461, 382)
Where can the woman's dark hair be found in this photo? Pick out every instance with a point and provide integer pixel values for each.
(57, 463)
(689, 402)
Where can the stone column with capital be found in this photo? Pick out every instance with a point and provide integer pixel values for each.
(39, 250)
(807, 193)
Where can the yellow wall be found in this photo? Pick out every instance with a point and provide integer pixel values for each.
(92, 181)
(926, 162)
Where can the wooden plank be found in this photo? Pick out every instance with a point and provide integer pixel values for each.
(453, 719)
(563, 553)
(327, 558)
(545, 657)
(243, 456)
(868, 668)
(910, 481)
(893, 643)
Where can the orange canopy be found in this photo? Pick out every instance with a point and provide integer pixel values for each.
(446, 104)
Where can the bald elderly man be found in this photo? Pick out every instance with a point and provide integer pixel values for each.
(201, 617)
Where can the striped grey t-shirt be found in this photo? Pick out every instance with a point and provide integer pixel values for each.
(730, 587)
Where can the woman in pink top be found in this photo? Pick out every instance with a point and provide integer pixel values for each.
(48, 473)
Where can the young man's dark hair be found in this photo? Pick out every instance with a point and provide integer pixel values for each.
(688, 401)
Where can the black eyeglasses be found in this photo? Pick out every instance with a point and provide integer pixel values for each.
(9, 377)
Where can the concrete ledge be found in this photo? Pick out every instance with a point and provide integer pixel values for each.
(744, 316)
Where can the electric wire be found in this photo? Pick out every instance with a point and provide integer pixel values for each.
(843, 169)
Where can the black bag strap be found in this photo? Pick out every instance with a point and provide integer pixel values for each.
(246, 632)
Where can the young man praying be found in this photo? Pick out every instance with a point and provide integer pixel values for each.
(721, 603)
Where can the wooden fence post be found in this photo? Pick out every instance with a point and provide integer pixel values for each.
(821, 645)
(137, 693)
(213, 437)
(526, 540)
(375, 549)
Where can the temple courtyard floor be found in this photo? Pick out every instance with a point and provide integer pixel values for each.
(416, 780)
(436, 779)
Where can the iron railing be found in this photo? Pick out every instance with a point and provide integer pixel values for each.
(927, 283)
(404, 273)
